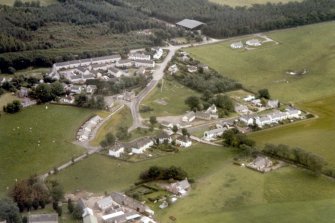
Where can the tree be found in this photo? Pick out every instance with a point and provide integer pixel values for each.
(43, 93)
(77, 212)
(9, 211)
(70, 206)
(153, 120)
(13, 107)
(57, 192)
(57, 89)
(225, 102)
(193, 102)
(264, 93)
(175, 129)
(184, 132)
(108, 141)
(122, 132)
(81, 100)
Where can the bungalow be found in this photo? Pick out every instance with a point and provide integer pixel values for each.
(213, 134)
(124, 63)
(105, 203)
(179, 188)
(106, 59)
(278, 116)
(192, 69)
(139, 56)
(264, 120)
(189, 117)
(293, 113)
(247, 119)
(173, 69)
(42, 218)
(183, 141)
(122, 199)
(249, 98)
(116, 150)
(138, 146)
(163, 137)
(253, 42)
(236, 45)
(144, 63)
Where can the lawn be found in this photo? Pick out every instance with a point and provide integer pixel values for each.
(99, 173)
(53, 129)
(5, 99)
(172, 94)
(315, 135)
(266, 66)
(235, 3)
(43, 2)
(122, 117)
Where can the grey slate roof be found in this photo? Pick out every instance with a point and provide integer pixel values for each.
(189, 23)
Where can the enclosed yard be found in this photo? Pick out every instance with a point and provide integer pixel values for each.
(36, 139)
(267, 67)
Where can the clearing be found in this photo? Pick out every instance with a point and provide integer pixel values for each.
(266, 67)
(168, 100)
(27, 148)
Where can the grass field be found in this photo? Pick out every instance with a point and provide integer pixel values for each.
(315, 135)
(55, 128)
(235, 3)
(11, 2)
(122, 117)
(173, 94)
(5, 99)
(266, 67)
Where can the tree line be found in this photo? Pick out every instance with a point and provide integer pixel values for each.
(225, 21)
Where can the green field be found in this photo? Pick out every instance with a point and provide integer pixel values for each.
(54, 127)
(11, 2)
(266, 66)
(235, 3)
(173, 94)
(315, 135)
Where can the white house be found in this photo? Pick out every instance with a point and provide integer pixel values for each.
(213, 134)
(253, 42)
(247, 119)
(236, 45)
(212, 109)
(278, 116)
(144, 63)
(293, 113)
(140, 145)
(158, 54)
(189, 117)
(264, 120)
(183, 141)
(124, 63)
(116, 150)
(139, 56)
(164, 137)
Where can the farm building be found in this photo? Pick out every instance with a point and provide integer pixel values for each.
(190, 24)
(236, 45)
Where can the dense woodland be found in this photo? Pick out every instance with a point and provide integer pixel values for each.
(32, 35)
(225, 21)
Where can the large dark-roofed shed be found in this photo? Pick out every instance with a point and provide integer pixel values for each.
(189, 24)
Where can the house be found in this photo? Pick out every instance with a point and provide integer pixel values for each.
(184, 58)
(76, 89)
(163, 137)
(106, 59)
(42, 218)
(226, 124)
(261, 164)
(278, 116)
(144, 63)
(173, 69)
(101, 66)
(192, 69)
(183, 141)
(264, 120)
(68, 99)
(190, 24)
(115, 72)
(122, 199)
(236, 45)
(293, 113)
(105, 203)
(82, 70)
(116, 150)
(189, 117)
(124, 63)
(212, 109)
(179, 188)
(247, 119)
(253, 42)
(73, 78)
(273, 103)
(204, 115)
(88, 76)
(96, 73)
(139, 56)
(158, 54)
(213, 134)
(88, 216)
(138, 146)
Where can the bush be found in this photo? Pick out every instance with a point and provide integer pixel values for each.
(13, 107)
